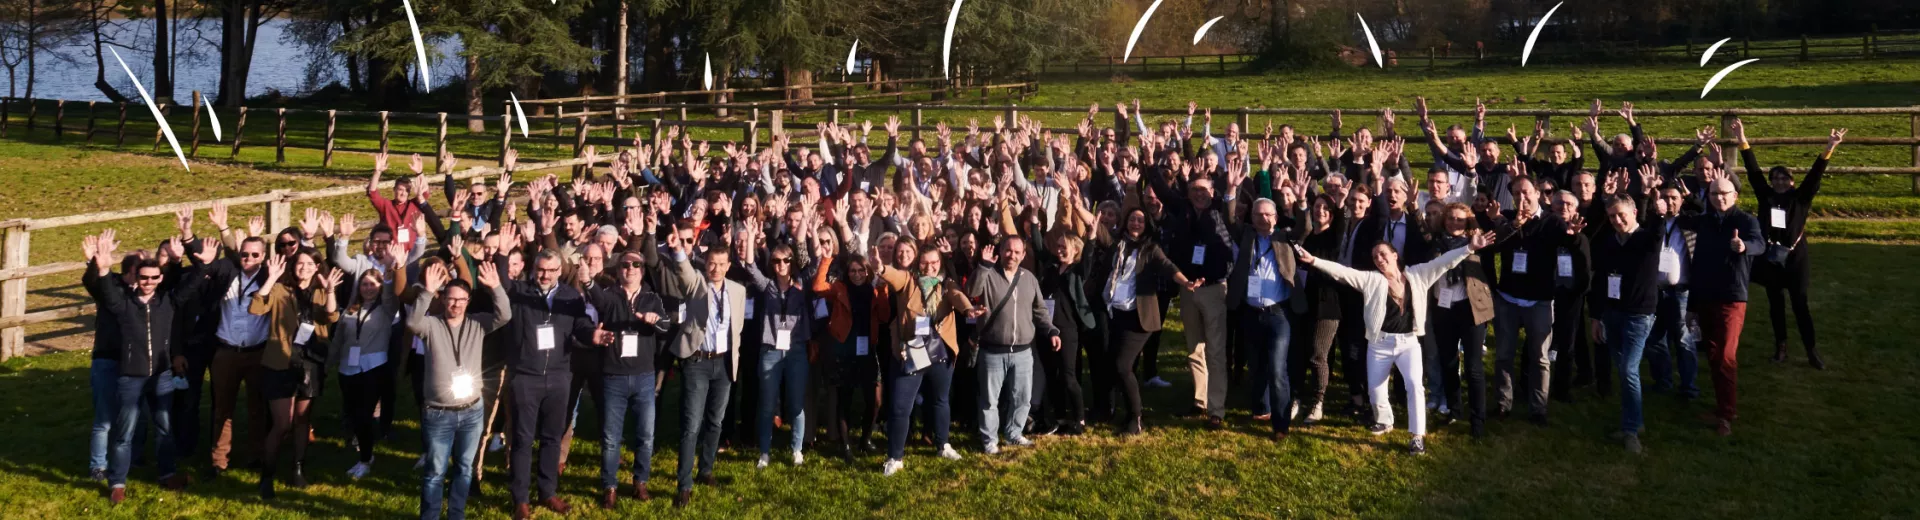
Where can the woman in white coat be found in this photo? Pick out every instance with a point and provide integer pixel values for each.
(1395, 308)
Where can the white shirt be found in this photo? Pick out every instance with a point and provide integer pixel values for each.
(1264, 287)
(1677, 241)
(717, 335)
(1120, 287)
(238, 327)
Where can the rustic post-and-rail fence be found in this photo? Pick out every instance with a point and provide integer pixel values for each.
(594, 115)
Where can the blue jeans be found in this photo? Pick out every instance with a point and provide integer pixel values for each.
(703, 404)
(783, 373)
(104, 377)
(624, 395)
(932, 385)
(1627, 337)
(1267, 335)
(997, 369)
(455, 435)
(135, 395)
(1672, 341)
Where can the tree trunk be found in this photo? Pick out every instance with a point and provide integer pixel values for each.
(162, 52)
(620, 53)
(474, 107)
(33, 27)
(353, 62)
(95, 14)
(244, 63)
(799, 78)
(231, 34)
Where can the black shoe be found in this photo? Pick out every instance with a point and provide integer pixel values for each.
(298, 480)
(1072, 429)
(1445, 419)
(1479, 429)
(1780, 352)
(1417, 447)
(680, 500)
(1813, 358)
(1216, 423)
(1539, 419)
(99, 474)
(212, 473)
(710, 481)
(266, 487)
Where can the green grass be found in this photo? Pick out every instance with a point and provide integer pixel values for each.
(1810, 445)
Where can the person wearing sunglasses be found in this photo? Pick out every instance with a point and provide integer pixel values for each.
(786, 325)
(147, 354)
(638, 320)
(241, 336)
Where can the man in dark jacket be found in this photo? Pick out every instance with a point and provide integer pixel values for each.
(547, 315)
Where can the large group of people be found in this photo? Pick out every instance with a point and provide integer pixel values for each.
(974, 277)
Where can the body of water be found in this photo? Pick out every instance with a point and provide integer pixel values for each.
(67, 71)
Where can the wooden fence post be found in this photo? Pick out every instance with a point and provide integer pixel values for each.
(506, 131)
(13, 293)
(240, 127)
(59, 120)
(384, 127)
(280, 211)
(33, 115)
(279, 134)
(1915, 132)
(752, 135)
(1223, 63)
(1013, 116)
(326, 155)
(440, 139)
(1803, 47)
(1746, 48)
(917, 119)
(6, 112)
(1866, 46)
(1726, 124)
(157, 135)
(1246, 125)
(580, 146)
(1429, 58)
(683, 112)
(90, 122)
(120, 132)
(559, 112)
(194, 149)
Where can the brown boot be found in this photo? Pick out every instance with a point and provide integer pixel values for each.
(557, 505)
(610, 500)
(686, 495)
(522, 512)
(640, 492)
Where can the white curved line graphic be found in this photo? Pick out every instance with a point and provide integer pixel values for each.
(1722, 75)
(1708, 56)
(1370, 43)
(851, 53)
(1137, 27)
(419, 47)
(706, 82)
(1528, 51)
(211, 117)
(1202, 33)
(165, 129)
(946, 43)
(518, 114)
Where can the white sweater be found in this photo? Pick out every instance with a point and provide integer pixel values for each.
(1373, 287)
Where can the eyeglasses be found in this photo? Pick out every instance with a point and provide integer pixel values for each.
(145, 278)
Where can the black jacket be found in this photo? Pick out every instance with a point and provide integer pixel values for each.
(1716, 273)
(146, 328)
(567, 316)
(620, 315)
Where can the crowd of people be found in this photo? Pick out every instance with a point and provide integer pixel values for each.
(973, 278)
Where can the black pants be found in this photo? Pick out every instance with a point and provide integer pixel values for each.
(1577, 360)
(1454, 332)
(186, 403)
(1793, 281)
(539, 412)
(1151, 364)
(1127, 341)
(1353, 356)
(1307, 365)
(1064, 403)
(361, 393)
(743, 396)
(856, 380)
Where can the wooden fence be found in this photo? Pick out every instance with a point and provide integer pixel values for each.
(1871, 45)
(16, 271)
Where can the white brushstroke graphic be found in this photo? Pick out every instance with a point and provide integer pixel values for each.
(1137, 27)
(518, 114)
(1542, 24)
(850, 53)
(419, 47)
(946, 44)
(706, 81)
(157, 118)
(211, 117)
(1370, 42)
(1708, 56)
(1722, 75)
(1202, 33)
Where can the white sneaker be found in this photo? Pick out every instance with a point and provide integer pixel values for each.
(946, 450)
(358, 470)
(1293, 409)
(799, 459)
(497, 443)
(1020, 441)
(762, 464)
(891, 467)
(992, 449)
(1157, 382)
(1314, 415)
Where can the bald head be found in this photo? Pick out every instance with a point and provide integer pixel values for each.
(1722, 194)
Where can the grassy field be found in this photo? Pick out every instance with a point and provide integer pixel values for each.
(1810, 445)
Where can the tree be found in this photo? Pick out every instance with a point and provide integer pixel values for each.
(504, 42)
(31, 27)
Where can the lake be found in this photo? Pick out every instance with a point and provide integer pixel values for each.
(66, 71)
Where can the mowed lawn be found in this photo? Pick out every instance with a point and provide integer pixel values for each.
(1810, 444)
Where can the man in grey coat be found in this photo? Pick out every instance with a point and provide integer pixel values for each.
(1010, 313)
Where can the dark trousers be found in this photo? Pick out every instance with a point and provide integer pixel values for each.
(1577, 360)
(539, 413)
(1352, 339)
(1307, 364)
(1064, 403)
(1150, 362)
(1125, 343)
(1095, 343)
(703, 403)
(1455, 333)
(361, 394)
(186, 403)
(743, 401)
(855, 380)
(1265, 336)
(930, 385)
(1670, 347)
(230, 368)
(1791, 282)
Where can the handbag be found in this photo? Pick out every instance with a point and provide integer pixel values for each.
(973, 355)
(1776, 253)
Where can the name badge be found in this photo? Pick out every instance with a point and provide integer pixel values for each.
(1520, 262)
(305, 333)
(1613, 286)
(681, 314)
(820, 308)
(1049, 302)
(782, 339)
(629, 344)
(1565, 263)
(922, 326)
(860, 345)
(544, 334)
(419, 346)
(353, 356)
(405, 236)
(1669, 261)
(462, 386)
(1199, 254)
(863, 185)
(1779, 217)
(917, 358)
(750, 309)
(1300, 278)
(1448, 295)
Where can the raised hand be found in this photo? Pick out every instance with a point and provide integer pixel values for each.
(276, 266)
(488, 274)
(1480, 241)
(1834, 137)
(512, 159)
(326, 224)
(416, 164)
(90, 248)
(332, 279)
(183, 222)
(1594, 110)
(176, 248)
(1626, 112)
(108, 245)
(447, 163)
(310, 223)
(1739, 129)
(893, 125)
(256, 225)
(1575, 223)
(379, 165)
(436, 277)
(347, 226)
(218, 214)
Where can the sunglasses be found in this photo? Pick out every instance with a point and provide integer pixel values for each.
(285, 245)
(778, 260)
(252, 255)
(145, 278)
(632, 265)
